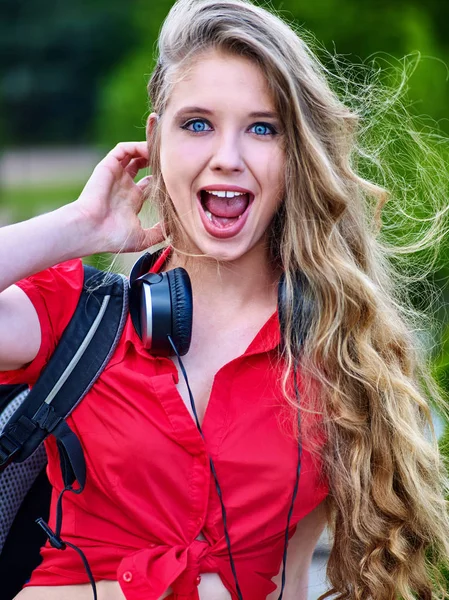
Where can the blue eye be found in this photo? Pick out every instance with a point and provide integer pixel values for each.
(197, 125)
(263, 129)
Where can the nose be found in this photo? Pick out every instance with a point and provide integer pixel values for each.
(227, 154)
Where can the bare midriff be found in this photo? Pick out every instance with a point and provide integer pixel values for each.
(209, 588)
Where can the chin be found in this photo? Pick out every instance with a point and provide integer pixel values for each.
(228, 252)
(222, 250)
(223, 254)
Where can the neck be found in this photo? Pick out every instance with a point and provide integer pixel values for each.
(242, 284)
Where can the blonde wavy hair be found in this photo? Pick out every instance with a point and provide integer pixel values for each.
(356, 343)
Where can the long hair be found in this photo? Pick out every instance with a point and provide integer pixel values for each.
(360, 360)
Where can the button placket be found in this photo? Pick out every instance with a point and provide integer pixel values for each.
(198, 493)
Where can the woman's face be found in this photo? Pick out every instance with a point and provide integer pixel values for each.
(222, 156)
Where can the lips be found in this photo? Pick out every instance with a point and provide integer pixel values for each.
(224, 211)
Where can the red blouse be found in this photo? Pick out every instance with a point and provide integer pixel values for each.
(149, 491)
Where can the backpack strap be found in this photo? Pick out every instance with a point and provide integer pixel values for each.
(84, 350)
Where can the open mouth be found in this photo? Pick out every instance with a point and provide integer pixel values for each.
(223, 208)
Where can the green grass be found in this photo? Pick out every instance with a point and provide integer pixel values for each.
(19, 203)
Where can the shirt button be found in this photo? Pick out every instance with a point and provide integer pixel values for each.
(127, 576)
(199, 522)
(198, 580)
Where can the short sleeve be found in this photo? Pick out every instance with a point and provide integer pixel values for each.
(54, 293)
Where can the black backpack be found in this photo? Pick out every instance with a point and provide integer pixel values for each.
(27, 417)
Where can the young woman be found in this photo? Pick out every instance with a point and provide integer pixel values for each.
(250, 154)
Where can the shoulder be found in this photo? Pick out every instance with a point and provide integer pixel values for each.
(54, 294)
(65, 277)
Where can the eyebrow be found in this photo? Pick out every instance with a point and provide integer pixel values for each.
(205, 111)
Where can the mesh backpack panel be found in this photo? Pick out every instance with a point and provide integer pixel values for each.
(17, 478)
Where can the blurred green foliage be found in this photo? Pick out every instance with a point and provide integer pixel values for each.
(353, 30)
(76, 72)
(53, 56)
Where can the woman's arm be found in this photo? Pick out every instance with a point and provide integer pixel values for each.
(299, 556)
(27, 248)
(103, 219)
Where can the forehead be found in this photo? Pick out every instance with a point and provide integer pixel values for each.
(224, 81)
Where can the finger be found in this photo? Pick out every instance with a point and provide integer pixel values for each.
(144, 182)
(129, 159)
(124, 152)
(136, 165)
(125, 161)
(154, 235)
(130, 149)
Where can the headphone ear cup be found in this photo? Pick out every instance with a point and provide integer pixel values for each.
(182, 308)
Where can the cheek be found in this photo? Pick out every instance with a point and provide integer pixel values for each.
(180, 164)
(275, 182)
(275, 171)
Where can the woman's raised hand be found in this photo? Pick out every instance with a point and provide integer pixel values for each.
(111, 201)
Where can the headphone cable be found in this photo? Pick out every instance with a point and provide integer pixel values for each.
(54, 537)
(217, 485)
(213, 471)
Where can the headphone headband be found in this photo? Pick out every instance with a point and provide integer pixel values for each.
(144, 264)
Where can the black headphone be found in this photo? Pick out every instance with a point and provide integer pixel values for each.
(160, 305)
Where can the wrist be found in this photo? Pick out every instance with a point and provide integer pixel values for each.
(80, 232)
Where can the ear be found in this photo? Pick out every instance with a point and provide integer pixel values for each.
(151, 125)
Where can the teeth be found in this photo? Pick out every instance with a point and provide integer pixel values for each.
(208, 215)
(224, 193)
